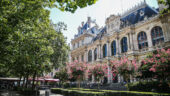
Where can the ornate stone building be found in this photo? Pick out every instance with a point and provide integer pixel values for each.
(132, 34)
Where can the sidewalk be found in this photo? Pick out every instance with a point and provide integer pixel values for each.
(13, 93)
(42, 93)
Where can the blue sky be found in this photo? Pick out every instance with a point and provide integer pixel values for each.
(99, 11)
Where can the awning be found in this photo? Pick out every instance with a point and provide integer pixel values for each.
(45, 79)
(52, 80)
(10, 79)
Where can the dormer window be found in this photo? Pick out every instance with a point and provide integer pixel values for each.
(142, 13)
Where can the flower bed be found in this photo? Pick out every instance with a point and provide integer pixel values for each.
(94, 92)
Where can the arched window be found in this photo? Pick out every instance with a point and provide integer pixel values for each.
(113, 48)
(157, 35)
(142, 40)
(124, 46)
(90, 56)
(104, 50)
(95, 54)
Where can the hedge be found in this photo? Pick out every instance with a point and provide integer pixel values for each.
(149, 86)
(70, 92)
(94, 92)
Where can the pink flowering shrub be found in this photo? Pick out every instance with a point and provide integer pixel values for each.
(158, 63)
(76, 70)
(124, 67)
(99, 71)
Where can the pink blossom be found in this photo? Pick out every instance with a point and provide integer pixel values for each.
(162, 50)
(158, 55)
(152, 69)
(163, 59)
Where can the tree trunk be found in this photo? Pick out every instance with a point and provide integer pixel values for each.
(34, 75)
(98, 87)
(19, 82)
(79, 83)
(23, 82)
(26, 85)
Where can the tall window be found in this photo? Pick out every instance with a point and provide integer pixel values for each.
(142, 40)
(157, 35)
(77, 58)
(90, 56)
(95, 54)
(104, 50)
(124, 46)
(113, 48)
(78, 45)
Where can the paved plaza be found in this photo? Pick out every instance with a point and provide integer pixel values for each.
(13, 93)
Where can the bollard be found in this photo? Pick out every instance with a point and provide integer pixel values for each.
(47, 93)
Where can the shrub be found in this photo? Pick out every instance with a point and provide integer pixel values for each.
(149, 86)
(99, 71)
(124, 67)
(157, 64)
(77, 70)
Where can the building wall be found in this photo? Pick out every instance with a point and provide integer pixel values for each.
(131, 32)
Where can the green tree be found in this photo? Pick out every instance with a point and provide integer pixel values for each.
(28, 39)
(165, 3)
(61, 49)
(62, 75)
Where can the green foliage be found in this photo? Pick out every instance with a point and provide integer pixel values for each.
(165, 3)
(28, 40)
(94, 92)
(72, 5)
(62, 75)
(149, 86)
(60, 55)
(144, 71)
(156, 65)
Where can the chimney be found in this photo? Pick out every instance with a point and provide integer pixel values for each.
(82, 23)
(89, 21)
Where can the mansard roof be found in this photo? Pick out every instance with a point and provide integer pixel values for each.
(138, 14)
(100, 34)
(85, 26)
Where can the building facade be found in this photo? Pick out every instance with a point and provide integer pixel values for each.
(132, 34)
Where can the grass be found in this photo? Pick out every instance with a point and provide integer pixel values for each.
(95, 92)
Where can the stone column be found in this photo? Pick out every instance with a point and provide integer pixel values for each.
(128, 42)
(110, 75)
(92, 55)
(100, 55)
(165, 20)
(149, 38)
(119, 78)
(86, 56)
(108, 49)
(93, 79)
(132, 40)
(118, 46)
(135, 41)
(97, 51)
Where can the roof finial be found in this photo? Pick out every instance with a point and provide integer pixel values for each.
(145, 1)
